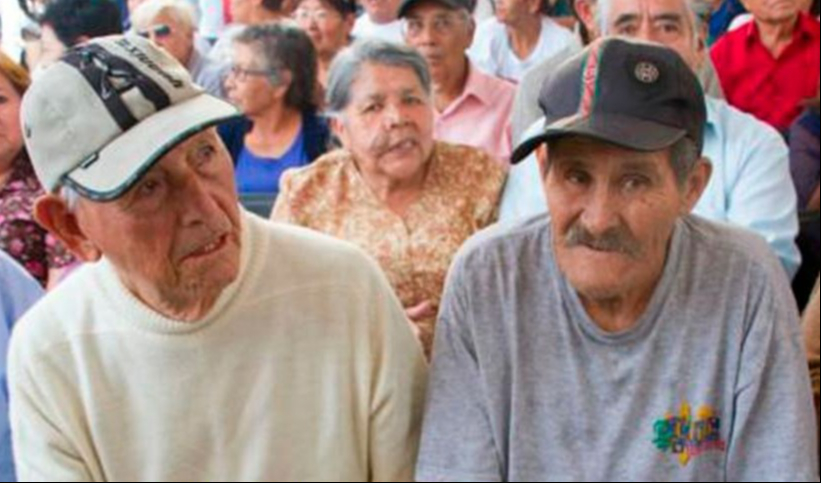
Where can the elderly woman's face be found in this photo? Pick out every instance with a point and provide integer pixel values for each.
(11, 137)
(248, 83)
(175, 234)
(613, 213)
(388, 125)
(328, 29)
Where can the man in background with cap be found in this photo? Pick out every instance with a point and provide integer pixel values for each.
(204, 344)
(472, 108)
(621, 339)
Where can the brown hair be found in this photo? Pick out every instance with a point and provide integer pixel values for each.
(12, 71)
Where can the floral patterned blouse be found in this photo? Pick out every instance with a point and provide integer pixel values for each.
(460, 197)
(20, 235)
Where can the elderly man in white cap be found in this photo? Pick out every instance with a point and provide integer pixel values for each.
(200, 343)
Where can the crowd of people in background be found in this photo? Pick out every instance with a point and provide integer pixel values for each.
(387, 240)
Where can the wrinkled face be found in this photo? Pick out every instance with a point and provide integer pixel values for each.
(388, 125)
(173, 36)
(11, 136)
(177, 232)
(613, 213)
(248, 84)
(774, 11)
(666, 22)
(382, 11)
(328, 29)
(441, 35)
(511, 12)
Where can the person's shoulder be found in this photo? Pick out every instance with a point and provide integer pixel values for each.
(322, 174)
(740, 128)
(725, 245)
(504, 243)
(469, 163)
(65, 313)
(306, 258)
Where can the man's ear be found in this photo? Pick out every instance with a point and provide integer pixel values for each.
(587, 14)
(542, 155)
(696, 184)
(51, 213)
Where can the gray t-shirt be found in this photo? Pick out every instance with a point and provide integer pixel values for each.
(710, 385)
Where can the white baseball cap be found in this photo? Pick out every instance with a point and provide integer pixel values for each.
(103, 115)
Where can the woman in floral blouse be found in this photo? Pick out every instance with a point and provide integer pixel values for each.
(20, 235)
(407, 200)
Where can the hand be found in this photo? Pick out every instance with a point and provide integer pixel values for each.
(425, 310)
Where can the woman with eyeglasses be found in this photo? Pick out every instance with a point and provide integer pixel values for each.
(329, 24)
(273, 82)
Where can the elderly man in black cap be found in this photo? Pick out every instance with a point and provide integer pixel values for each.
(621, 338)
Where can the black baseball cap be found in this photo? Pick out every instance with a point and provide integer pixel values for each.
(468, 5)
(636, 95)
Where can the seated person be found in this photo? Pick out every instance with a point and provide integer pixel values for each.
(273, 82)
(407, 200)
(620, 338)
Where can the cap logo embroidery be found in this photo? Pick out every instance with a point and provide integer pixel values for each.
(647, 73)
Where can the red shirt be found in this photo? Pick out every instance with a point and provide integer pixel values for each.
(756, 82)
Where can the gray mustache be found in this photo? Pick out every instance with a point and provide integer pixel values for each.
(615, 240)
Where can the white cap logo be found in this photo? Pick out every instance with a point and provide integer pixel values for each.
(647, 73)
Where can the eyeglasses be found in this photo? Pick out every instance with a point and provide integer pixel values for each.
(242, 74)
(319, 16)
(158, 31)
(441, 25)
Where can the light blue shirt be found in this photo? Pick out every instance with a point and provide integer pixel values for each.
(751, 185)
(18, 292)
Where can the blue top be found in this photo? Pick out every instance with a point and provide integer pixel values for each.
(18, 292)
(723, 17)
(258, 175)
(751, 186)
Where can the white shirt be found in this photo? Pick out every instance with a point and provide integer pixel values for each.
(305, 370)
(366, 28)
(492, 52)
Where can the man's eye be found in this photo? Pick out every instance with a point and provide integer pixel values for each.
(632, 183)
(206, 154)
(578, 178)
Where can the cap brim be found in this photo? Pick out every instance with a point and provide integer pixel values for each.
(405, 6)
(122, 163)
(623, 131)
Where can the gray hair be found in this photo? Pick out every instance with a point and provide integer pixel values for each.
(181, 11)
(695, 19)
(684, 156)
(347, 65)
